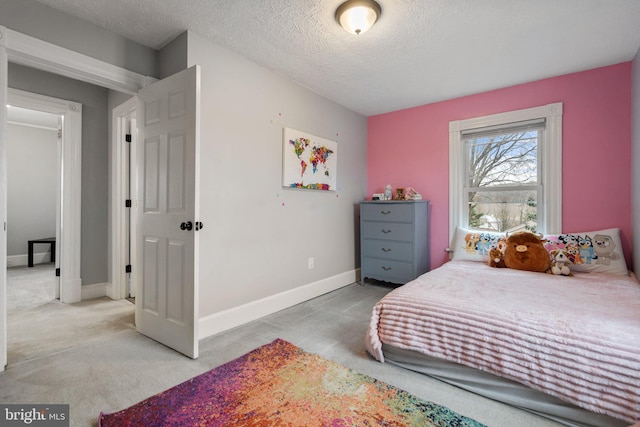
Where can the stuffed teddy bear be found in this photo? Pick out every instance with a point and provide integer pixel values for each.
(560, 261)
(525, 251)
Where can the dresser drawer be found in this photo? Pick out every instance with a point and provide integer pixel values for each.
(400, 212)
(388, 250)
(394, 240)
(390, 271)
(387, 231)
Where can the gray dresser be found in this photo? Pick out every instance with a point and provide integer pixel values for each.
(394, 240)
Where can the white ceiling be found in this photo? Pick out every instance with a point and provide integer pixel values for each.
(419, 52)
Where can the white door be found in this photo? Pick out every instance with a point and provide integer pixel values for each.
(166, 266)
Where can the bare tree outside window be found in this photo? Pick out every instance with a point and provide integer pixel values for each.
(502, 180)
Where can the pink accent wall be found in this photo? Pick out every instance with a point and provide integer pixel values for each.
(411, 148)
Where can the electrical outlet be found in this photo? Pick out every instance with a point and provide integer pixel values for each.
(310, 263)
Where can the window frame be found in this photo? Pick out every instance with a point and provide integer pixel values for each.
(549, 158)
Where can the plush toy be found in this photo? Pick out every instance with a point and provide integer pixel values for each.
(496, 258)
(525, 251)
(387, 192)
(604, 248)
(560, 261)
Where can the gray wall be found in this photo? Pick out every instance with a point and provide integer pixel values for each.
(45, 23)
(259, 235)
(32, 171)
(173, 57)
(635, 160)
(95, 156)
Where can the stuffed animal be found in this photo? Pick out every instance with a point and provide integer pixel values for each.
(560, 261)
(525, 251)
(573, 251)
(496, 258)
(471, 239)
(604, 247)
(387, 192)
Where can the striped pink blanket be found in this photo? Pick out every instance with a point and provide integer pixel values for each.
(576, 338)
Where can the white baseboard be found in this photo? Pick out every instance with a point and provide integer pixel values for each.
(23, 260)
(227, 319)
(93, 291)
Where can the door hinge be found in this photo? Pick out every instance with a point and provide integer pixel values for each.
(127, 203)
(57, 272)
(127, 268)
(127, 137)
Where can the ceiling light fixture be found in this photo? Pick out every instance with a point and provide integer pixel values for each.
(357, 16)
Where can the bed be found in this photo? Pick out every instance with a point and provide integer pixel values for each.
(566, 348)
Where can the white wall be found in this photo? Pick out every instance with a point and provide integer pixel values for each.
(257, 235)
(635, 160)
(31, 186)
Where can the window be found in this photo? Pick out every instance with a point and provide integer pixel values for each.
(506, 171)
(501, 183)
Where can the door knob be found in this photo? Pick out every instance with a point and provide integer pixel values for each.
(199, 225)
(186, 226)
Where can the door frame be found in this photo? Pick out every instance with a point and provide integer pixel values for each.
(71, 177)
(25, 50)
(123, 223)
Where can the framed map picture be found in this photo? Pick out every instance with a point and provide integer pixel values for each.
(308, 161)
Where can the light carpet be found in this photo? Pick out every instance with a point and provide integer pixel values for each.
(40, 331)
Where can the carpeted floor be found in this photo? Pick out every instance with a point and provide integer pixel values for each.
(34, 332)
(30, 286)
(106, 366)
(39, 325)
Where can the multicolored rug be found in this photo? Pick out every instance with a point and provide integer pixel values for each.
(281, 384)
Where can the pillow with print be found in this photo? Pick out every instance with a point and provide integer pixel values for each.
(591, 251)
(474, 245)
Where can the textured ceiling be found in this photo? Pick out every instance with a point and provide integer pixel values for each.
(420, 51)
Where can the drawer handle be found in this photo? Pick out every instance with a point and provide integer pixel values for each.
(385, 212)
(386, 231)
(386, 249)
(386, 268)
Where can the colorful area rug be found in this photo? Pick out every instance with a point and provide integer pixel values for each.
(281, 384)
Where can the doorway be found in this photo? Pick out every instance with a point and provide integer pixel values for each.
(68, 222)
(33, 147)
(32, 52)
(33, 182)
(65, 126)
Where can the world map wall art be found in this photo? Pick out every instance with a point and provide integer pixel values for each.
(308, 161)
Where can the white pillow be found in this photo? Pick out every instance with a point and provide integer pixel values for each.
(592, 250)
(474, 245)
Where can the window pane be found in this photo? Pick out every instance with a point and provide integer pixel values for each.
(503, 159)
(503, 210)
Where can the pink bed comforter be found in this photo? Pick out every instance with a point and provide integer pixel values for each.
(576, 338)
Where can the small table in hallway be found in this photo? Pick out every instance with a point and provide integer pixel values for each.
(47, 240)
